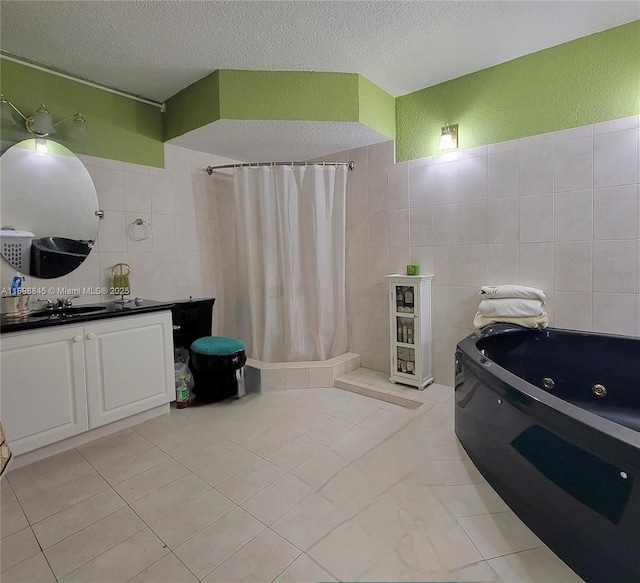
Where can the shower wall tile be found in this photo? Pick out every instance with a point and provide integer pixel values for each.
(162, 200)
(573, 216)
(399, 228)
(421, 186)
(446, 224)
(446, 187)
(536, 140)
(573, 310)
(446, 306)
(378, 193)
(473, 222)
(112, 233)
(110, 186)
(184, 198)
(537, 265)
(500, 147)
(536, 218)
(614, 266)
(424, 257)
(164, 232)
(638, 268)
(573, 264)
(137, 192)
(615, 212)
(573, 134)
(377, 158)
(378, 298)
(616, 125)
(447, 265)
(399, 258)
(398, 181)
(503, 220)
(379, 229)
(472, 178)
(615, 158)
(358, 230)
(536, 169)
(614, 313)
(378, 264)
(504, 263)
(573, 160)
(474, 265)
(504, 174)
(421, 226)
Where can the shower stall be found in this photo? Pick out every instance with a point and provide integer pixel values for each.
(281, 230)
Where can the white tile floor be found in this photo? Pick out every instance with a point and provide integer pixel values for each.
(289, 486)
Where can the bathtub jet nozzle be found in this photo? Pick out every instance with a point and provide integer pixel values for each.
(548, 383)
(599, 390)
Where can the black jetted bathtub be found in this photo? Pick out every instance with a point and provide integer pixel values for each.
(552, 420)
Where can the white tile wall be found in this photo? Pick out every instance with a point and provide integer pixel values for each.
(559, 211)
(180, 259)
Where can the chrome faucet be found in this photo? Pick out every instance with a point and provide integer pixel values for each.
(50, 305)
(62, 303)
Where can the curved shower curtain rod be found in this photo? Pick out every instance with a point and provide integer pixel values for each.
(350, 165)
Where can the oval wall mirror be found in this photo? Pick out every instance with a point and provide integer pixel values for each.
(48, 205)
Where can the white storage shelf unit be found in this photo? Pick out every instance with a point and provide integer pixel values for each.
(410, 329)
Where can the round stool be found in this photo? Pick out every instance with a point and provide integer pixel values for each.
(217, 365)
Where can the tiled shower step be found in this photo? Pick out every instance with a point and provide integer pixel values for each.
(269, 376)
(376, 384)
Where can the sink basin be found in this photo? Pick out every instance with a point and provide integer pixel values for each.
(73, 311)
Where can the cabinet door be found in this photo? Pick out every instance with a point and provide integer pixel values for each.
(43, 387)
(129, 366)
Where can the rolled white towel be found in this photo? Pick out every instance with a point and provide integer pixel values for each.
(540, 322)
(511, 291)
(510, 308)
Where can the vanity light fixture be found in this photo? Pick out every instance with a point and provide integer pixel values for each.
(41, 124)
(448, 137)
(41, 146)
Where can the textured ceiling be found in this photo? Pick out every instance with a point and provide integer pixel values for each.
(273, 141)
(155, 48)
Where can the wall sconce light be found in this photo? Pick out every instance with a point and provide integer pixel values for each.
(41, 124)
(448, 137)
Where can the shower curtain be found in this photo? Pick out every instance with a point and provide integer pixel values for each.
(290, 261)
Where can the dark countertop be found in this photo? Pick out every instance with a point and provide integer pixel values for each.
(111, 311)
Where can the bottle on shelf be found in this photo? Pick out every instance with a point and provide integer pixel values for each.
(399, 300)
(405, 333)
(410, 333)
(408, 300)
(399, 331)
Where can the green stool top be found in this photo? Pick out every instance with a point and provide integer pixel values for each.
(217, 345)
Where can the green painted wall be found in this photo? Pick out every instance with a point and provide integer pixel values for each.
(118, 128)
(194, 106)
(377, 107)
(280, 95)
(592, 79)
(288, 95)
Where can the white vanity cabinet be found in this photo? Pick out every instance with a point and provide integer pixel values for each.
(43, 387)
(410, 329)
(63, 380)
(129, 366)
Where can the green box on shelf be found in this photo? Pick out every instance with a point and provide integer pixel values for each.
(413, 269)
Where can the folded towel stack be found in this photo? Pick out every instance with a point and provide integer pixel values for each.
(512, 304)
